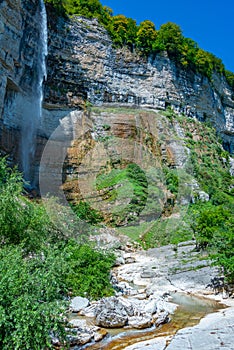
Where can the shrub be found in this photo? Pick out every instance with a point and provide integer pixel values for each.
(33, 290)
(30, 289)
(85, 212)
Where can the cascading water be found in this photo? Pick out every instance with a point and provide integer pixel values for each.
(32, 106)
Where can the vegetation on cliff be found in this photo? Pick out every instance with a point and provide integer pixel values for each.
(168, 204)
(146, 39)
(39, 268)
(209, 222)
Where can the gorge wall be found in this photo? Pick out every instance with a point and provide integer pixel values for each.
(21, 74)
(84, 68)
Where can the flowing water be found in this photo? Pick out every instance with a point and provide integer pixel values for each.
(31, 107)
(190, 311)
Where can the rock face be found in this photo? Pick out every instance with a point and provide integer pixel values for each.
(19, 33)
(83, 66)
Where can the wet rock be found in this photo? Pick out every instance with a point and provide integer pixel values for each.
(81, 332)
(151, 307)
(163, 305)
(78, 303)
(148, 274)
(111, 313)
(100, 335)
(215, 331)
(162, 318)
(140, 322)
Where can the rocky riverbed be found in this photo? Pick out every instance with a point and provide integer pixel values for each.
(145, 284)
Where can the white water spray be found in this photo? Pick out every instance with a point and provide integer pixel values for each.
(32, 107)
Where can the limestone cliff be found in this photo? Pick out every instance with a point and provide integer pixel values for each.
(83, 67)
(19, 36)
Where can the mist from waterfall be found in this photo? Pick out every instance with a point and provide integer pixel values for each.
(32, 105)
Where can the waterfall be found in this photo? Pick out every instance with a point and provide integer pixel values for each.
(32, 106)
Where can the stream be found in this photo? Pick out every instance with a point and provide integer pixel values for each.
(191, 309)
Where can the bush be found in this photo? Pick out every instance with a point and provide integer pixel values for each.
(33, 290)
(21, 220)
(85, 212)
(30, 289)
(39, 266)
(89, 271)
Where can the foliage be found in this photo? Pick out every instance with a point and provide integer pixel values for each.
(33, 290)
(230, 78)
(208, 219)
(125, 182)
(169, 38)
(214, 230)
(123, 31)
(145, 38)
(39, 266)
(57, 5)
(85, 212)
(172, 180)
(20, 219)
(29, 293)
(88, 273)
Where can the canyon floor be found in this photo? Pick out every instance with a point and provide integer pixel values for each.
(178, 269)
(167, 270)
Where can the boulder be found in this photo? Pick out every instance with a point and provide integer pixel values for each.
(162, 318)
(140, 322)
(78, 303)
(111, 319)
(151, 307)
(111, 313)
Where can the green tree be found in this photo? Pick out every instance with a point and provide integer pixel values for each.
(118, 29)
(188, 52)
(230, 77)
(203, 63)
(146, 36)
(170, 39)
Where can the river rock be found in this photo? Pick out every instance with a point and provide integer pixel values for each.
(162, 318)
(151, 307)
(78, 323)
(129, 259)
(140, 296)
(140, 322)
(119, 261)
(111, 319)
(80, 332)
(148, 274)
(88, 311)
(111, 313)
(78, 303)
(100, 335)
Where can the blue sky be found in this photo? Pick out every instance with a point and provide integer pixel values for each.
(209, 23)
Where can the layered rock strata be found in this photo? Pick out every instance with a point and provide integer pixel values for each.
(84, 67)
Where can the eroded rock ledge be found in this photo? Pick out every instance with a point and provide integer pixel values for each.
(83, 66)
